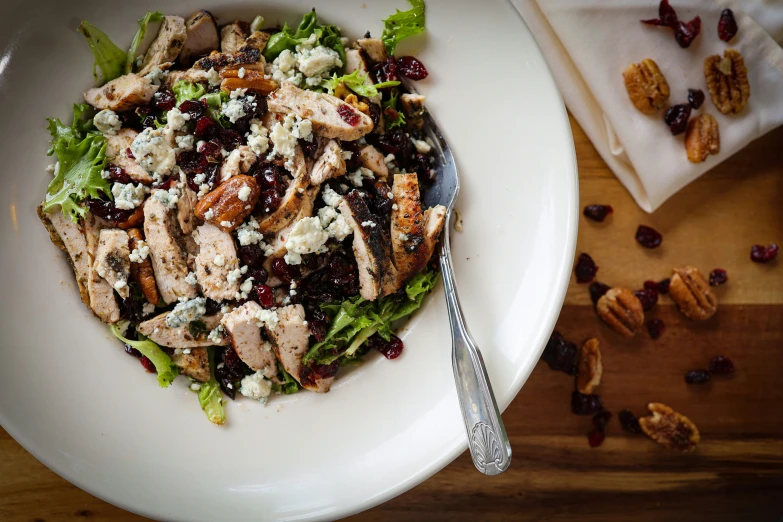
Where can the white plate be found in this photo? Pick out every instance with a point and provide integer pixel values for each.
(71, 396)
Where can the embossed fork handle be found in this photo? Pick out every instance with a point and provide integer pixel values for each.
(487, 437)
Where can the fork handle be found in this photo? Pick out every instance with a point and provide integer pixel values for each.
(487, 438)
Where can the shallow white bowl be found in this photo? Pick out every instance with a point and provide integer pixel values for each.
(71, 396)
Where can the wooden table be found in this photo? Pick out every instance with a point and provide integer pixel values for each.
(737, 471)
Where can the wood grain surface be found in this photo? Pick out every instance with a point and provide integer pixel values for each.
(736, 474)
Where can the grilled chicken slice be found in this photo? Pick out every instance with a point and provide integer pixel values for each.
(413, 109)
(182, 337)
(278, 243)
(292, 201)
(217, 257)
(291, 338)
(407, 227)
(69, 237)
(355, 61)
(194, 362)
(329, 165)
(121, 94)
(374, 48)
(238, 162)
(434, 221)
(102, 301)
(232, 36)
(185, 210)
(169, 260)
(167, 45)
(321, 109)
(191, 75)
(258, 40)
(373, 160)
(112, 259)
(117, 148)
(202, 37)
(242, 325)
(248, 57)
(370, 247)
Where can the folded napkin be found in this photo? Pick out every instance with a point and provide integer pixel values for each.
(589, 43)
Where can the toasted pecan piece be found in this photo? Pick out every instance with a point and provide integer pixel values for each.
(670, 429)
(647, 86)
(691, 291)
(134, 220)
(227, 206)
(727, 81)
(251, 80)
(590, 367)
(142, 272)
(702, 138)
(621, 310)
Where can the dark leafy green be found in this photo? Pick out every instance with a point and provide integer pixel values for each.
(151, 16)
(109, 58)
(289, 384)
(403, 24)
(357, 82)
(215, 101)
(167, 371)
(209, 395)
(185, 90)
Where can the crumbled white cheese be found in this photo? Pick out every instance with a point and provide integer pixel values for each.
(233, 110)
(316, 64)
(107, 122)
(330, 197)
(241, 72)
(176, 119)
(356, 177)
(248, 234)
(216, 335)
(244, 192)
(54, 169)
(140, 253)
(307, 237)
(258, 137)
(256, 387)
(403, 236)
(233, 276)
(156, 76)
(191, 278)
(213, 77)
(128, 196)
(370, 224)
(267, 318)
(226, 224)
(422, 146)
(186, 311)
(147, 309)
(185, 142)
(209, 214)
(169, 198)
(334, 223)
(219, 260)
(284, 137)
(394, 206)
(153, 152)
(120, 284)
(195, 386)
(346, 155)
(283, 68)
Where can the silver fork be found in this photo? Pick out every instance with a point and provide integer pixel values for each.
(487, 438)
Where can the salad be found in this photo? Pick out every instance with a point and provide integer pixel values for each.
(241, 203)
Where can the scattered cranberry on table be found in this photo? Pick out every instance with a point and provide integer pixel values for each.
(697, 376)
(597, 212)
(676, 118)
(763, 254)
(629, 422)
(695, 98)
(648, 297)
(648, 237)
(721, 365)
(655, 328)
(684, 32)
(727, 25)
(585, 268)
(597, 290)
(718, 277)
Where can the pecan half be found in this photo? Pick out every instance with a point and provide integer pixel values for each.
(670, 429)
(142, 272)
(251, 80)
(702, 138)
(134, 220)
(621, 310)
(727, 81)
(590, 367)
(691, 291)
(646, 86)
(230, 203)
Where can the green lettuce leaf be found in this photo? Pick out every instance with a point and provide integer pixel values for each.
(393, 117)
(356, 82)
(185, 90)
(167, 371)
(289, 384)
(109, 58)
(215, 101)
(82, 157)
(209, 395)
(403, 24)
(151, 16)
(326, 35)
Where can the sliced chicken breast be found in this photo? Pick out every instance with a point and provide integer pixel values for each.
(69, 237)
(185, 210)
(373, 160)
(242, 325)
(368, 244)
(407, 227)
(202, 37)
(238, 162)
(291, 339)
(102, 301)
(434, 221)
(233, 35)
(169, 260)
(329, 165)
(247, 56)
(117, 148)
(374, 47)
(258, 40)
(413, 108)
(185, 336)
(216, 259)
(121, 94)
(322, 110)
(194, 362)
(112, 259)
(167, 45)
(355, 60)
(293, 198)
(191, 75)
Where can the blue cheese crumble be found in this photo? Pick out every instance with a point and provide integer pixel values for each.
(107, 122)
(128, 196)
(256, 387)
(186, 311)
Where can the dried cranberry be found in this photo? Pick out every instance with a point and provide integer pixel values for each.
(629, 422)
(259, 275)
(270, 200)
(386, 71)
(324, 371)
(129, 153)
(206, 128)
(560, 354)
(108, 211)
(285, 272)
(349, 115)
(212, 151)
(381, 201)
(251, 255)
(663, 286)
(762, 254)
(597, 290)
(695, 98)
(191, 162)
(264, 295)
(213, 173)
(582, 404)
(412, 68)
(585, 268)
(595, 438)
(148, 364)
(213, 306)
(721, 365)
(597, 212)
(647, 297)
(310, 148)
(727, 25)
(697, 376)
(686, 32)
(193, 108)
(390, 349)
(375, 114)
(164, 99)
(130, 350)
(420, 164)
(229, 139)
(655, 327)
(318, 322)
(648, 237)
(676, 118)
(718, 277)
(650, 284)
(117, 174)
(601, 419)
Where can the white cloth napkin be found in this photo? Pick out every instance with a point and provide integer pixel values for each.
(588, 44)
